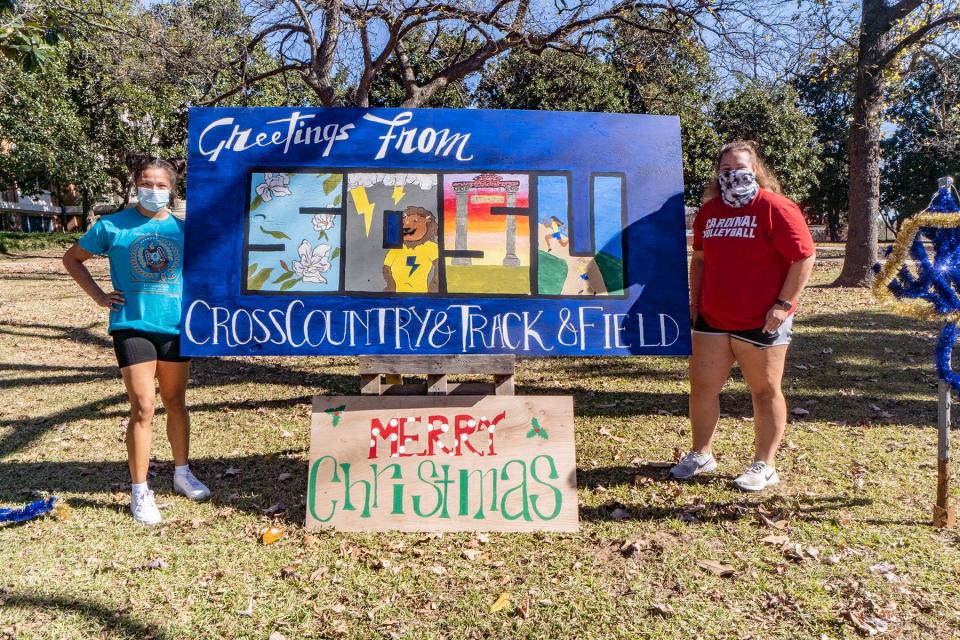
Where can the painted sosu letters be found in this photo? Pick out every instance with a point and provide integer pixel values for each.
(434, 231)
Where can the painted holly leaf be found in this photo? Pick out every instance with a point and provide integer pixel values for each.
(336, 413)
(537, 430)
(280, 235)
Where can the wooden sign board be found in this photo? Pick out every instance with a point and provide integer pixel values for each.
(442, 463)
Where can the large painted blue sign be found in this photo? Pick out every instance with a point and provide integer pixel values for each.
(433, 231)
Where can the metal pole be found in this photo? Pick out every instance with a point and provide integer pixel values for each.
(944, 516)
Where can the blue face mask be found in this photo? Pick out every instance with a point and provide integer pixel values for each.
(153, 199)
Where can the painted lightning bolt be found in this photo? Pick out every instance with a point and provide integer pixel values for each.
(412, 263)
(363, 205)
(398, 193)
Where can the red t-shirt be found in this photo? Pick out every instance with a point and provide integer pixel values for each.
(747, 253)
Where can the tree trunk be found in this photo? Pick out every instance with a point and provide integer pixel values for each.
(863, 149)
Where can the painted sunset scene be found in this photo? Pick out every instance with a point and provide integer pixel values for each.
(490, 251)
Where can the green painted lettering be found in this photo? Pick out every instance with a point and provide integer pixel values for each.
(522, 488)
(312, 488)
(557, 495)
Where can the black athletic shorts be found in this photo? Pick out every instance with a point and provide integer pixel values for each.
(134, 347)
(757, 337)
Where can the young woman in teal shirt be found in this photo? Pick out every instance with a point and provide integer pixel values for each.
(144, 245)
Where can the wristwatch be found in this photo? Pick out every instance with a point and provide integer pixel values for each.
(786, 305)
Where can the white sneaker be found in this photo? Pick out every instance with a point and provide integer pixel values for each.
(187, 484)
(759, 475)
(144, 508)
(693, 464)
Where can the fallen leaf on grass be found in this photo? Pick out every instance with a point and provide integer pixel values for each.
(606, 432)
(500, 602)
(619, 514)
(868, 625)
(231, 471)
(664, 610)
(776, 540)
(249, 610)
(276, 635)
(272, 534)
(716, 568)
(470, 554)
(283, 476)
(773, 524)
(437, 569)
(156, 563)
(799, 412)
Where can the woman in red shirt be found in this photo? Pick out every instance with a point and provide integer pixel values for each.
(752, 256)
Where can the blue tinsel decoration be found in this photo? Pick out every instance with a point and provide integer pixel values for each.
(943, 201)
(33, 510)
(948, 337)
(938, 281)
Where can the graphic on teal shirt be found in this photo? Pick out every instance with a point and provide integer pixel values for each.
(146, 264)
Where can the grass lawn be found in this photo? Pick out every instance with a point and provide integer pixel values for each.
(843, 545)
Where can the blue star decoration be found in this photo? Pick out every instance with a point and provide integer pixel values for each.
(921, 277)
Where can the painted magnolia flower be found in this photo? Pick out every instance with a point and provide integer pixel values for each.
(322, 221)
(274, 185)
(313, 262)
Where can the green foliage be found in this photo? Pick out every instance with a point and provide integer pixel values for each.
(28, 39)
(48, 146)
(552, 81)
(926, 143)
(825, 95)
(18, 242)
(428, 56)
(770, 115)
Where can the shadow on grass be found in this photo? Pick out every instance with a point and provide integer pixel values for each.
(112, 620)
(246, 483)
(810, 509)
(203, 373)
(68, 333)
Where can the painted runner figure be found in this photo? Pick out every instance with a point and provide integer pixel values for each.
(556, 232)
(144, 245)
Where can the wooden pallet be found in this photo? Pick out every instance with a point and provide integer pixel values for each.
(383, 375)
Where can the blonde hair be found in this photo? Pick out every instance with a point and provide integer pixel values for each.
(765, 177)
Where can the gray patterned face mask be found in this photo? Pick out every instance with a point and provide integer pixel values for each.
(738, 187)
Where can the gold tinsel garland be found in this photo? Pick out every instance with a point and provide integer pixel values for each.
(901, 251)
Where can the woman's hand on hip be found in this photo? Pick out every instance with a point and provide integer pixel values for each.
(776, 316)
(113, 300)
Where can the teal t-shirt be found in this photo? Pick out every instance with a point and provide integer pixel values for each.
(146, 265)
